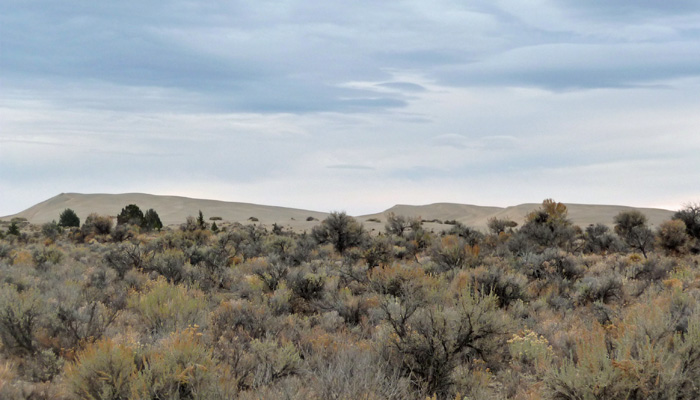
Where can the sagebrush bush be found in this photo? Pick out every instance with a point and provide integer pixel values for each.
(262, 312)
(169, 263)
(181, 366)
(165, 307)
(431, 341)
(103, 370)
(20, 315)
(508, 286)
(455, 252)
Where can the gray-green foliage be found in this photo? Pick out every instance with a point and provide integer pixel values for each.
(20, 315)
(340, 230)
(632, 227)
(637, 364)
(51, 230)
(398, 224)
(434, 338)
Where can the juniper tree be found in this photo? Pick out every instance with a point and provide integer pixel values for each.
(151, 221)
(68, 218)
(130, 215)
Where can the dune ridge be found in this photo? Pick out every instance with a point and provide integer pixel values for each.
(175, 209)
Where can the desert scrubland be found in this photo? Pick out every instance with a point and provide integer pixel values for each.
(399, 305)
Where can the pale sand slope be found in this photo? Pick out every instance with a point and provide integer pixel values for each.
(478, 216)
(171, 209)
(174, 210)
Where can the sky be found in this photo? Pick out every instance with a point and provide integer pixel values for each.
(352, 105)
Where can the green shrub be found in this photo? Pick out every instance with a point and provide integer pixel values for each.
(179, 367)
(169, 263)
(274, 360)
(45, 256)
(605, 288)
(165, 307)
(508, 286)
(20, 314)
(84, 312)
(126, 256)
(307, 286)
(51, 230)
(599, 239)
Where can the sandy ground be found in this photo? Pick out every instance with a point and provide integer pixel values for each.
(174, 210)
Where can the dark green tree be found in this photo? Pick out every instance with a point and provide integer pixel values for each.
(68, 218)
(130, 215)
(151, 221)
(13, 229)
(200, 221)
(214, 228)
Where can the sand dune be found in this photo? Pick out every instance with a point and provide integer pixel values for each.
(171, 209)
(174, 210)
(478, 216)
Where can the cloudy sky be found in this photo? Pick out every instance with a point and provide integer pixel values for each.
(352, 105)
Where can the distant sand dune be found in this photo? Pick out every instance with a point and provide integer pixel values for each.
(174, 210)
(478, 216)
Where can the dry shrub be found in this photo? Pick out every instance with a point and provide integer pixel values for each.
(240, 318)
(672, 237)
(431, 340)
(103, 370)
(455, 252)
(165, 307)
(22, 258)
(399, 279)
(179, 367)
(341, 368)
(641, 356)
